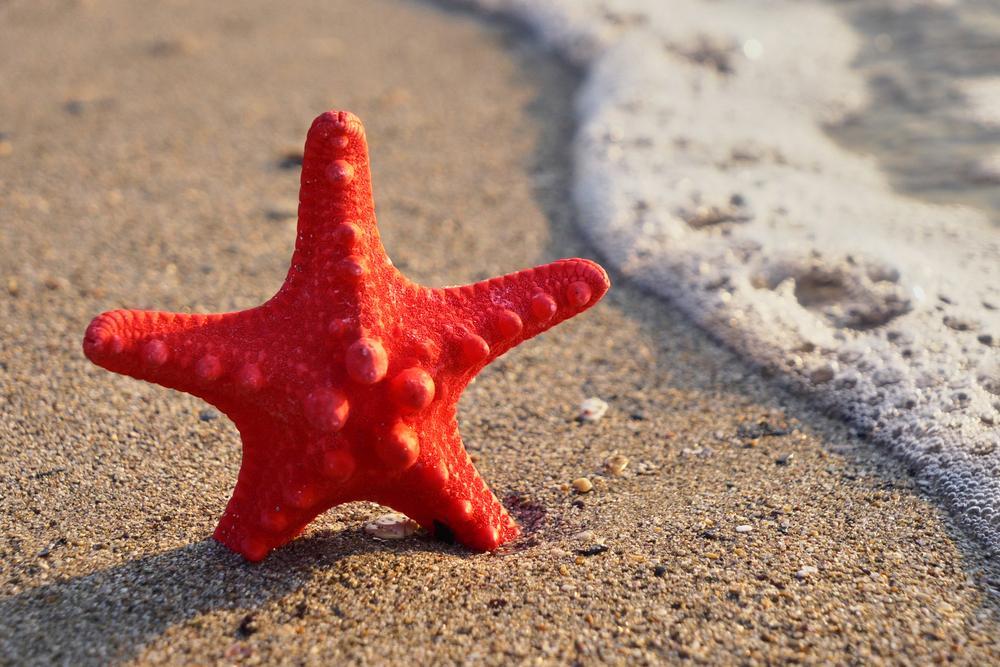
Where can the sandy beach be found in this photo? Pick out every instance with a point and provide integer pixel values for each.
(149, 158)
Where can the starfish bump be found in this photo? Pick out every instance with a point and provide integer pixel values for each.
(344, 385)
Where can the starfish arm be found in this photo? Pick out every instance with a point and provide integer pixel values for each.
(251, 525)
(276, 495)
(448, 497)
(498, 314)
(338, 241)
(197, 354)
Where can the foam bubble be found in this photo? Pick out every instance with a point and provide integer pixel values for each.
(704, 173)
(983, 98)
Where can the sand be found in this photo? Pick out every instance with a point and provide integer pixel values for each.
(146, 164)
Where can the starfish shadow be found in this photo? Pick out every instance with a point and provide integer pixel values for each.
(108, 616)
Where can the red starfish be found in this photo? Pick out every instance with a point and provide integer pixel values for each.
(344, 384)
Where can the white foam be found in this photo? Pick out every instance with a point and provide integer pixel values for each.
(702, 171)
(983, 98)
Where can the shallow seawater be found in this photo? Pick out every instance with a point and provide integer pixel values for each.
(920, 59)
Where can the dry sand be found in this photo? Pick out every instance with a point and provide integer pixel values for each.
(141, 165)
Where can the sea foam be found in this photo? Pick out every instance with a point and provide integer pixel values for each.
(703, 172)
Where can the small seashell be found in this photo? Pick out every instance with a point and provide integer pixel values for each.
(616, 464)
(592, 409)
(391, 526)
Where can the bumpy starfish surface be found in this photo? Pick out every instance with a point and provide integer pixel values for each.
(344, 384)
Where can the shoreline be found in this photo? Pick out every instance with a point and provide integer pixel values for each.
(705, 171)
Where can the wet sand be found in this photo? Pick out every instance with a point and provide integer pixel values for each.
(150, 162)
